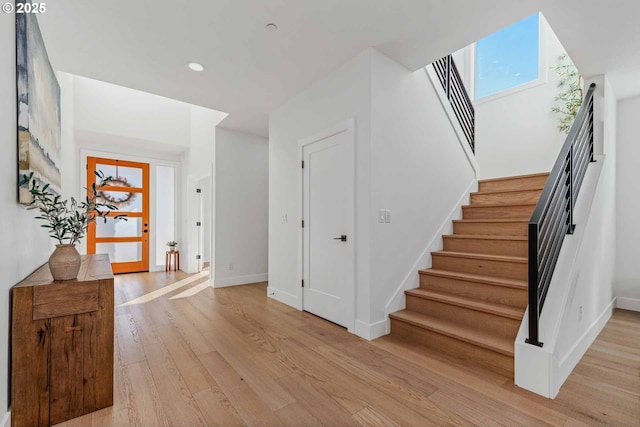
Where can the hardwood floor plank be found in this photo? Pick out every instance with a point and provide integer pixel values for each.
(143, 406)
(241, 355)
(128, 340)
(369, 417)
(317, 403)
(233, 357)
(146, 408)
(294, 415)
(193, 373)
(217, 409)
(450, 376)
(177, 400)
(340, 381)
(180, 319)
(249, 405)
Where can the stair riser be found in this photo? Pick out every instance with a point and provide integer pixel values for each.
(528, 196)
(509, 270)
(497, 212)
(486, 246)
(514, 184)
(476, 290)
(473, 319)
(468, 353)
(492, 228)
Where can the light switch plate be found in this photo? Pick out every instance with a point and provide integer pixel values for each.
(387, 215)
(382, 215)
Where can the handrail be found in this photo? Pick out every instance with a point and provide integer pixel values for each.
(552, 217)
(457, 95)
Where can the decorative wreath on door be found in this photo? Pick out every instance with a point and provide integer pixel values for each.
(123, 199)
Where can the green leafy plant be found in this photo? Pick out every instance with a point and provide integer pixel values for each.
(172, 244)
(569, 98)
(67, 220)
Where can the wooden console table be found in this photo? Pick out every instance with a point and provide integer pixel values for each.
(62, 344)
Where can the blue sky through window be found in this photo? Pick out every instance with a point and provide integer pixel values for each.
(507, 58)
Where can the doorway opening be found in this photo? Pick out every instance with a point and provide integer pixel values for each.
(125, 241)
(204, 224)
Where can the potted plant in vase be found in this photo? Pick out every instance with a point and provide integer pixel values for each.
(172, 245)
(67, 222)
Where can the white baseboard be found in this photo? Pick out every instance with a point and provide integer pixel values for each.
(626, 303)
(370, 331)
(240, 280)
(284, 297)
(569, 362)
(6, 420)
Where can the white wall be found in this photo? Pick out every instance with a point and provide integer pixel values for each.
(241, 208)
(517, 133)
(580, 298)
(408, 160)
(627, 288)
(26, 245)
(115, 110)
(105, 120)
(419, 170)
(343, 95)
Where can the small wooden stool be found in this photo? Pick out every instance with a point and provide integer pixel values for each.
(169, 257)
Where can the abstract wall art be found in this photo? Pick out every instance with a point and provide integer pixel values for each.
(38, 108)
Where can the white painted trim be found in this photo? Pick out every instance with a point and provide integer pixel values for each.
(566, 364)
(462, 140)
(284, 297)
(511, 91)
(348, 125)
(6, 420)
(371, 331)
(627, 303)
(411, 280)
(240, 280)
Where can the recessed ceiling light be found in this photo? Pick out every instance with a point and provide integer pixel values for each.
(271, 27)
(195, 66)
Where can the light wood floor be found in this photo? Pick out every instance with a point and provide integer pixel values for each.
(188, 355)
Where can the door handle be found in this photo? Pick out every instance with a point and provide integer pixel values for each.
(342, 238)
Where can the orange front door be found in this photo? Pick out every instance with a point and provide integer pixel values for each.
(126, 242)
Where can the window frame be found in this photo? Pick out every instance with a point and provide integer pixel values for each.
(542, 68)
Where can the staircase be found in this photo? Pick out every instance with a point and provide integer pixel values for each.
(471, 302)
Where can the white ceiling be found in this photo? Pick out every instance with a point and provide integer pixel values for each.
(145, 44)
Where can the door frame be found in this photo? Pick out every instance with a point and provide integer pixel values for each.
(347, 126)
(127, 266)
(154, 159)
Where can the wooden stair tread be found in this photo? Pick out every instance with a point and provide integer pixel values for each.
(488, 221)
(510, 205)
(476, 337)
(472, 304)
(507, 178)
(503, 258)
(474, 193)
(484, 237)
(490, 280)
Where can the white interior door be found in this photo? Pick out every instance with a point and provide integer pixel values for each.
(328, 244)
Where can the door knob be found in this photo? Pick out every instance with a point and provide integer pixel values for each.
(342, 238)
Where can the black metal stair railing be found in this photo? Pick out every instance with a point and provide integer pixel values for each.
(458, 97)
(552, 217)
